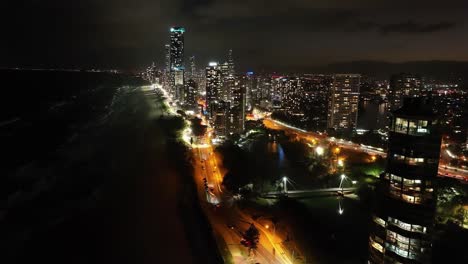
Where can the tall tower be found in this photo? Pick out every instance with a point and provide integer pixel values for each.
(213, 86)
(190, 94)
(343, 102)
(228, 82)
(167, 57)
(220, 118)
(177, 48)
(230, 62)
(193, 69)
(237, 112)
(177, 61)
(403, 220)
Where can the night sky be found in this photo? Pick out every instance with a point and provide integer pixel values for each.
(264, 34)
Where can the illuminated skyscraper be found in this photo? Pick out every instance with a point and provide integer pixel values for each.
(403, 218)
(177, 48)
(230, 62)
(192, 71)
(228, 82)
(190, 94)
(220, 118)
(252, 95)
(403, 85)
(213, 86)
(238, 104)
(343, 101)
(177, 60)
(166, 82)
(167, 58)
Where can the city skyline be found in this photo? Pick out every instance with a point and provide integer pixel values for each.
(234, 131)
(297, 36)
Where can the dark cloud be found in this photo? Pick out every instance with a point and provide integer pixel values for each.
(411, 27)
(273, 33)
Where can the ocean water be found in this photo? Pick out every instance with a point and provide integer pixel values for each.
(91, 173)
(56, 161)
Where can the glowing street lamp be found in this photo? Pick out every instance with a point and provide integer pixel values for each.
(319, 150)
(343, 177)
(340, 162)
(285, 180)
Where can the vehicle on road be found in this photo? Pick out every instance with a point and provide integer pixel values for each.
(245, 242)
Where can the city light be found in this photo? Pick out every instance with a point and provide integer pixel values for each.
(319, 150)
(340, 162)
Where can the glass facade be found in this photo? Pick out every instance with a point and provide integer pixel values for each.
(409, 190)
(411, 127)
(406, 247)
(403, 219)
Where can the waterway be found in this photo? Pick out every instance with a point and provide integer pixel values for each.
(372, 115)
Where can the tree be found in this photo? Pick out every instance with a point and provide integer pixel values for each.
(197, 128)
(252, 236)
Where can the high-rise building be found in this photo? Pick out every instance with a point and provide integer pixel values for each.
(177, 61)
(190, 94)
(403, 85)
(238, 103)
(403, 218)
(177, 48)
(220, 118)
(315, 100)
(264, 90)
(252, 95)
(230, 62)
(228, 82)
(192, 71)
(213, 86)
(167, 58)
(166, 82)
(343, 101)
(292, 95)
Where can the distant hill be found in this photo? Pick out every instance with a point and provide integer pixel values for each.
(440, 69)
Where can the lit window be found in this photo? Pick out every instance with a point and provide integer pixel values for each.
(377, 246)
(379, 221)
(401, 125)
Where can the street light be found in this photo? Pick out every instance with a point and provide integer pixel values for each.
(319, 150)
(340, 162)
(284, 184)
(343, 177)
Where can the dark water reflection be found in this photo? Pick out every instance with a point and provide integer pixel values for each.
(372, 115)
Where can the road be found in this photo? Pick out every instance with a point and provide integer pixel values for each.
(227, 221)
(444, 171)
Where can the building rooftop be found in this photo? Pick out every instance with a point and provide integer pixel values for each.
(417, 107)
